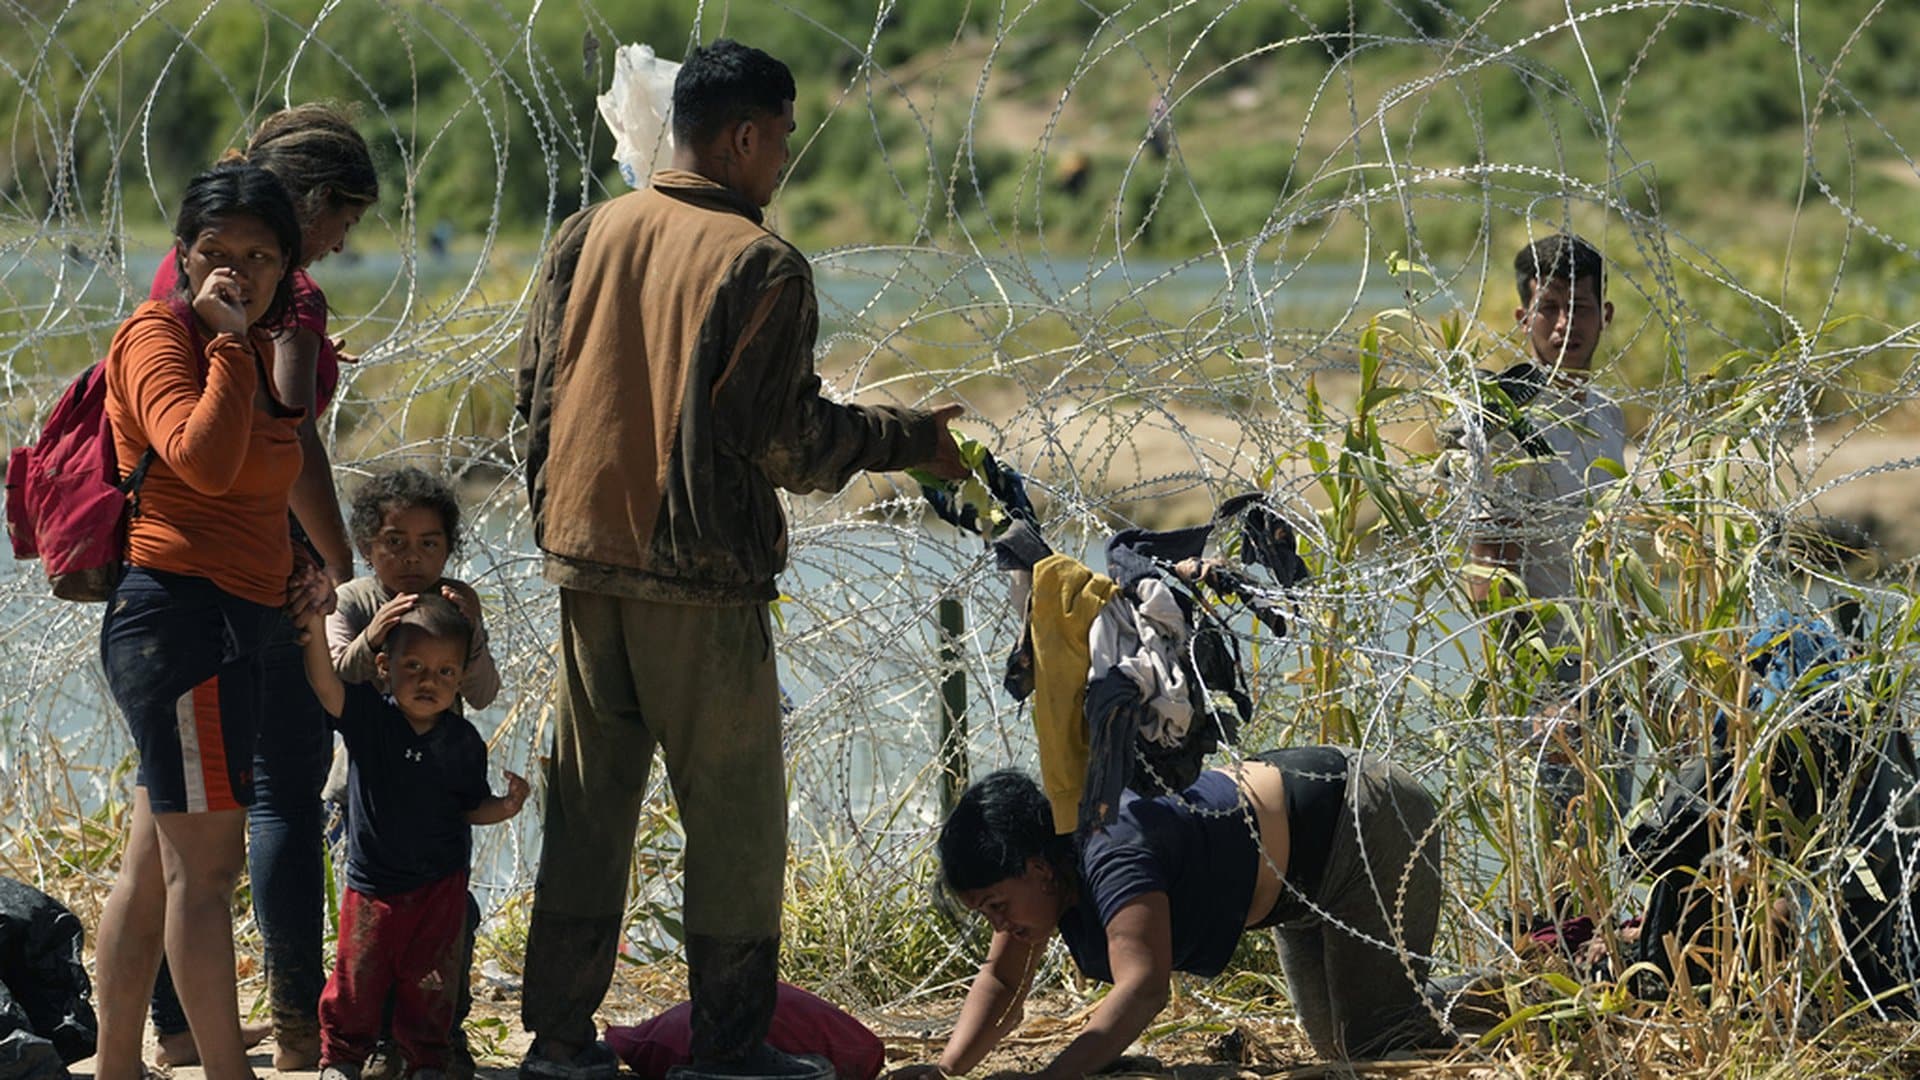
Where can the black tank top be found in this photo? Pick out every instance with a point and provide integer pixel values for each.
(1316, 791)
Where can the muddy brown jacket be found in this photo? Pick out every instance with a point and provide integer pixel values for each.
(666, 377)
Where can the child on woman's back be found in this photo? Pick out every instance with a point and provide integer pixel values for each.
(416, 783)
(406, 524)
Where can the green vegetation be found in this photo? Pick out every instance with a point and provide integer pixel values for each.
(1682, 555)
(484, 117)
(1704, 156)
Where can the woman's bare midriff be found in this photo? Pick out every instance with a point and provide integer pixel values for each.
(1264, 788)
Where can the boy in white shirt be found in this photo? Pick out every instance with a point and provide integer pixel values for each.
(1523, 536)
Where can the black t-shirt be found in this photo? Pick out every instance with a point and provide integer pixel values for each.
(1201, 847)
(408, 794)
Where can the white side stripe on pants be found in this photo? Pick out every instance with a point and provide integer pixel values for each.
(190, 764)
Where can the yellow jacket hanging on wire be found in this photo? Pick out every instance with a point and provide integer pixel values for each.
(1067, 598)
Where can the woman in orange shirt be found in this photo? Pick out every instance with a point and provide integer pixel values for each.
(210, 567)
(328, 171)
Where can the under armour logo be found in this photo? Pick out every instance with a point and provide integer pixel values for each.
(413, 755)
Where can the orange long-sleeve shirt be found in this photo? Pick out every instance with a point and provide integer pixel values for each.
(214, 503)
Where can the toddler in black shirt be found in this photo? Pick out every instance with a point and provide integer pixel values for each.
(417, 782)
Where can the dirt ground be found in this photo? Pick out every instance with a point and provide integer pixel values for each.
(1254, 1046)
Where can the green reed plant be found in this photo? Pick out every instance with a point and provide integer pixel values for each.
(1679, 553)
(1680, 558)
(1355, 473)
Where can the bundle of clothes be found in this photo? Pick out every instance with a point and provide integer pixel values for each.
(1135, 675)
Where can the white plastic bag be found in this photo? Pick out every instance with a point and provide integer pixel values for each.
(637, 109)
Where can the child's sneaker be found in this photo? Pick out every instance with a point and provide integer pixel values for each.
(383, 1064)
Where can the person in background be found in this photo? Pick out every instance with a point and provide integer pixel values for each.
(668, 382)
(327, 171)
(1544, 471)
(1528, 533)
(211, 566)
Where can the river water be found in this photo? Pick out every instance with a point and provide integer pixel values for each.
(859, 639)
(867, 287)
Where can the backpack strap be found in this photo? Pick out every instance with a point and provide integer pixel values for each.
(130, 487)
(1521, 383)
(181, 306)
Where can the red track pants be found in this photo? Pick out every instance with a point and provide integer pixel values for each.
(409, 944)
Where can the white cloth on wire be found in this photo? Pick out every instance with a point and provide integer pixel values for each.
(1144, 639)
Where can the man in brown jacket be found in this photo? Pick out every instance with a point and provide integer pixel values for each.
(667, 379)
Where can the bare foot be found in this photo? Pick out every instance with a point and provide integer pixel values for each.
(296, 1049)
(177, 1049)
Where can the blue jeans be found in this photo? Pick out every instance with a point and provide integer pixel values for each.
(284, 849)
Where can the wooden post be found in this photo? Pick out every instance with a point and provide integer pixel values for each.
(953, 705)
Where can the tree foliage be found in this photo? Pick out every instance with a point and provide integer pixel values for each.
(483, 115)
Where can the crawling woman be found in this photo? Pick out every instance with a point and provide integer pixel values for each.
(1337, 851)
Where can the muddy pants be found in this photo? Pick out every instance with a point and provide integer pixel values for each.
(411, 944)
(699, 683)
(1341, 949)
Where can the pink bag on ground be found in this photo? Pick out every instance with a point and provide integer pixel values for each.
(802, 1024)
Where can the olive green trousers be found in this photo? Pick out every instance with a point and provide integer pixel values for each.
(700, 684)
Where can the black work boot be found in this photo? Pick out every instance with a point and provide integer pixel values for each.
(732, 984)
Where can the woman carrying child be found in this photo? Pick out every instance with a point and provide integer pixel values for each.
(1336, 850)
(416, 782)
(325, 166)
(211, 565)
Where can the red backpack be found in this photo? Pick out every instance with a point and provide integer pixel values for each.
(66, 503)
